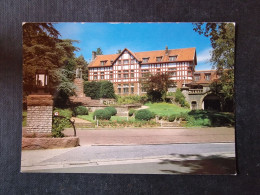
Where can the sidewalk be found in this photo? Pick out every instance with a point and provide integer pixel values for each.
(142, 136)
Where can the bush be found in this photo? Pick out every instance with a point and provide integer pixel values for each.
(58, 125)
(102, 89)
(172, 117)
(106, 90)
(131, 99)
(144, 115)
(112, 110)
(81, 110)
(102, 114)
(131, 112)
(180, 98)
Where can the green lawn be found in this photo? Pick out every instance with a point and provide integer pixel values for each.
(165, 109)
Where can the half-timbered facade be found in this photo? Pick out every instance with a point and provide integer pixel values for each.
(124, 70)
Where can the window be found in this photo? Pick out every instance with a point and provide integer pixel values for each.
(103, 63)
(119, 61)
(173, 73)
(145, 60)
(95, 73)
(132, 88)
(189, 73)
(95, 77)
(111, 76)
(119, 88)
(132, 61)
(207, 77)
(172, 69)
(126, 76)
(197, 77)
(158, 59)
(102, 77)
(119, 76)
(172, 58)
(132, 75)
(158, 70)
(126, 71)
(126, 61)
(126, 88)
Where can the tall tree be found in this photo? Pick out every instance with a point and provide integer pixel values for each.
(99, 51)
(157, 85)
(222, 37)
(42, 49)
(119, 51)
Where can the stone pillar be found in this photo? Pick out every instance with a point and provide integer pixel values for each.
(79, 83)
(185, 91)
(39, 114)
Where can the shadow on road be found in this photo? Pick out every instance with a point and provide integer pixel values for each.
(213, 164)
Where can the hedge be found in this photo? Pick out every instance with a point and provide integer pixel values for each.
(102, 114)
(81, 110)
(144, 114)
(112, 110)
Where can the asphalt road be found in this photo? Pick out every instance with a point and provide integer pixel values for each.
(139, 159)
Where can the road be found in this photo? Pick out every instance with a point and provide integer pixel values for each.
(135, 159)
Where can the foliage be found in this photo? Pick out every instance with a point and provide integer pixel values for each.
(92, 89)
(131, 112)
(102, 114)
(172, 117)
(119, 51)
(99, 51)
(24, 118)
(112, 110)
(102, 89)
(210, 118)
(107, 90)
(180, 98)
(81, 110)
(144, 114)
(58, 125)
(222, 37)
(63, 112)
(131, 99)
(165, 109)
(157, 86)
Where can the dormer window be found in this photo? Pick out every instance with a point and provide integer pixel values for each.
(103, 63)
(172, 58)
(158, 59)
(145, 60)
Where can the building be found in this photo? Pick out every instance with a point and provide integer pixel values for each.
(124, 70)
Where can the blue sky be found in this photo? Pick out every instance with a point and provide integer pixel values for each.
(137, 37)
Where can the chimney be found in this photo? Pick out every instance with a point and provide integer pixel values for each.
(93, 55)
(166, 50)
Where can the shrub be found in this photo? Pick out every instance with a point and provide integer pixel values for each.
(81, 110)
(63, 112)
(92, 89)
(131, 112)
(180, 98)
(144, 115)
(58, 125)
(172, 117)
(131, 99)
(102, 114)
(106, 90)
(112, 110)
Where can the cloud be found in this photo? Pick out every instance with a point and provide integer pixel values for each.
(204, 56)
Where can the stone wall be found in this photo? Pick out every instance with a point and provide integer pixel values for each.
(39, 113)
(79, 83)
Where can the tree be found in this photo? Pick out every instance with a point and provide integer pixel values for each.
(107, 90)
(222, 37)
(99, 51)
(44, 50)
(119, 51)
(157, 85)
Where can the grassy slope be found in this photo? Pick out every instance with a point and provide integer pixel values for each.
(165, 109)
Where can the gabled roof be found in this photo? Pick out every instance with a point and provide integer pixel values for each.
(187, 54)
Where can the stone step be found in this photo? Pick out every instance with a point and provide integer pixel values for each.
(170, 124)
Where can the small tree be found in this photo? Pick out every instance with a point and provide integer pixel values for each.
(107, 90)
(92, 89)
(157, 85)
